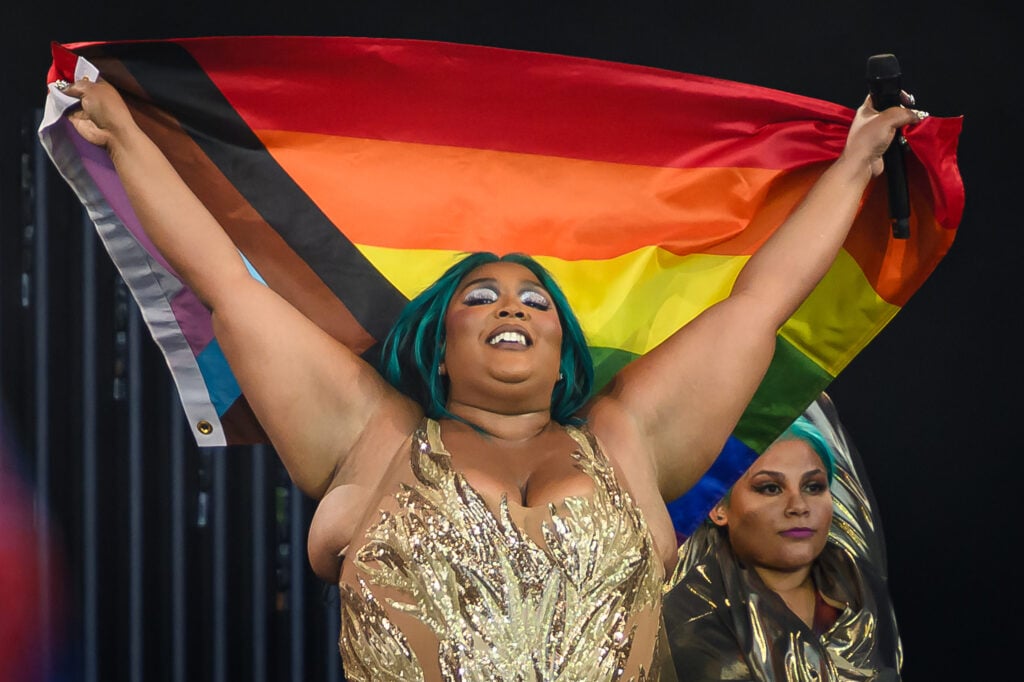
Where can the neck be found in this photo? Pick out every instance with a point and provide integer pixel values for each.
(511, 428)
(796, 588)
(785, 581)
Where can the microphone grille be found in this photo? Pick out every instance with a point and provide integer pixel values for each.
(883, 66)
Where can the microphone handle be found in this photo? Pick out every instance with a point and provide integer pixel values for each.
(899, 196)
(885, 94)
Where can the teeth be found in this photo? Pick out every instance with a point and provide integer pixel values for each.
(512, 337)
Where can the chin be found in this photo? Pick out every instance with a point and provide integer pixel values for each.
(798, 561)
(511, 379)
(786, 561)
(515, 376)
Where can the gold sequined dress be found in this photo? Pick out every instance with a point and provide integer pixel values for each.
(583, 604)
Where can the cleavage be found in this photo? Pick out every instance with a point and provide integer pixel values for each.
(530, 474)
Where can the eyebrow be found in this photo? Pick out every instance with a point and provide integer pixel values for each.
(523, 284)
(478, 280)
(780, 475)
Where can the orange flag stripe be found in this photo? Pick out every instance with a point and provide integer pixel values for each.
(419, 196)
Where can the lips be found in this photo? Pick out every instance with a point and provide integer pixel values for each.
(510, 336)
(798, 533)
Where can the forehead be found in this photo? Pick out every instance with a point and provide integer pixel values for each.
(502, 272)
(788, 456)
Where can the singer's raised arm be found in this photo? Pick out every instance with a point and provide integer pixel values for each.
(311, 394)
(684, 398)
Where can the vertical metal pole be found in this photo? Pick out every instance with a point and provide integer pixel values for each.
(220, 565)
(135, 493)
(179, 650)
(90, 390)
(258, 512)
(42, 383)
(332, 615)
(297, 554)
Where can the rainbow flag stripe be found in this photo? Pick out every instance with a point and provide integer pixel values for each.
(350, 172)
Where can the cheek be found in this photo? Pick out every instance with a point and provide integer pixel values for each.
(753, 513)
(456, 317)
(823, 508)
(822, 517)
(551, 329)
(457, 325)
(748, 528)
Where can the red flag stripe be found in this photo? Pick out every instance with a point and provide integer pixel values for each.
(491, 98)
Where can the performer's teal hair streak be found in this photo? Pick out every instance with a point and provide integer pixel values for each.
(804, 429)
(414, 348)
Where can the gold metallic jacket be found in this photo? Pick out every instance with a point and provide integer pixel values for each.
(724, 624)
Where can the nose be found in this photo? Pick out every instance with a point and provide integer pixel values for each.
(797, 506)
(511, 310)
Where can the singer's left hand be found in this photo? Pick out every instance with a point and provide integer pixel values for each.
(872, 132)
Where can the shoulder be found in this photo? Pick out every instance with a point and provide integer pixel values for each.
(703, 644)
(851, 579)
(617, 433)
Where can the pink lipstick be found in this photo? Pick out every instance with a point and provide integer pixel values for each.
(798, 533)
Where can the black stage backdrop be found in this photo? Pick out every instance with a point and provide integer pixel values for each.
(930, 404)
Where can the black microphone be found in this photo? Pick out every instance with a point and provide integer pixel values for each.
(883, 76)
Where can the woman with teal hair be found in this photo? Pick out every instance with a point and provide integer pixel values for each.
(485, 516)
(414, 349)
(785, 582)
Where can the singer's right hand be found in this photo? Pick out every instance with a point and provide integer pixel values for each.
(872, 131)
(103, 115)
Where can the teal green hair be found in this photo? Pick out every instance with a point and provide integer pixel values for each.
(804, 429)
(415, 346)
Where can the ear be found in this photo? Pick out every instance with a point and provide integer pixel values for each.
(719, 515)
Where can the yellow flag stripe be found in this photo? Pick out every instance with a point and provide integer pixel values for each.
(636, 301)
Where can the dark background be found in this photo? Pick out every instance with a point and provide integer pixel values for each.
(931, 403)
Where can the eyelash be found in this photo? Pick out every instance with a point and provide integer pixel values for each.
(480, 296)
(484, 295)
(813, 487)
(540, 302)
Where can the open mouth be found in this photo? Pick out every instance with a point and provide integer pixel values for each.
(509, 337)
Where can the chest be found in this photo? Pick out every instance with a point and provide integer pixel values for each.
(524, 483)
(443, 558)
(526, 476)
